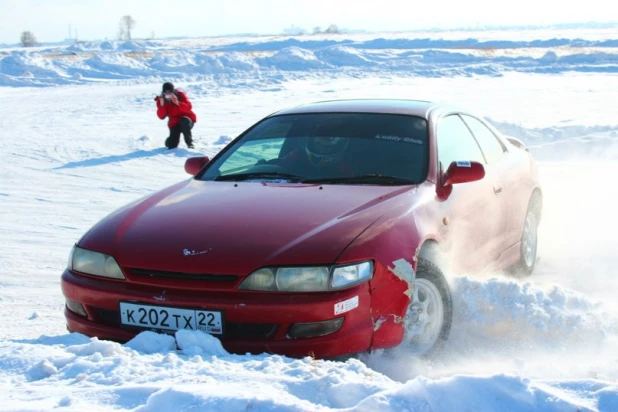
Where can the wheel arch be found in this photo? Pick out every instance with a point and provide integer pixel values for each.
(431, 251)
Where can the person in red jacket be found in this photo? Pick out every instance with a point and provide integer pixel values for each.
(175, 105)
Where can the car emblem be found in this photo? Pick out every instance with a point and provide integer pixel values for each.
(188, 252)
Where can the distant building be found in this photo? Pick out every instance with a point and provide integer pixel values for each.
(293, 31)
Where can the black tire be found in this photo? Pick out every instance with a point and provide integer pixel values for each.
(528, 243)
(429, 280)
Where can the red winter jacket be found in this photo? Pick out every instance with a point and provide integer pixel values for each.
(175, 113)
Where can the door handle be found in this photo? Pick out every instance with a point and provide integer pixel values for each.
(497, 190)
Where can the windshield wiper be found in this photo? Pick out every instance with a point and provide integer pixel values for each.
(258, 175)
(370, 178)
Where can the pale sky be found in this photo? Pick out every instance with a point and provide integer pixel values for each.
(98, 19)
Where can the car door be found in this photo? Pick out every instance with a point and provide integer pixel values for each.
(473, 217)
(495, 155)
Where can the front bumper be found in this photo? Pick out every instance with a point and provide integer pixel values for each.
(254, 322)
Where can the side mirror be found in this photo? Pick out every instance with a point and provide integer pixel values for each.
(463, 172)
(194, 164)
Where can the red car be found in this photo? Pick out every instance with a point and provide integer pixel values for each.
(325, 230)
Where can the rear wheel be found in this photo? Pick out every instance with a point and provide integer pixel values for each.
(529, 244)
(429, 315)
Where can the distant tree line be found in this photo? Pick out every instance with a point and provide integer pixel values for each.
(332, 29)
(127, 24)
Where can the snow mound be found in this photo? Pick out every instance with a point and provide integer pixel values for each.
(343, 56)
(43, 369)
(267, 60)
(195, 342)
(150, 342)
(131, 46)
(98, 348)
(500, 311)
(108, 45)
(180, 62)
(118, 66)
(181, 381)
(222, 140)
(293, 59)
(28, 65)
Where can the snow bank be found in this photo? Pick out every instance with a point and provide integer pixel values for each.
(141, 60)
(508, 312)
(572, 143)
(103, 374)
(413, 43)
(292, 58)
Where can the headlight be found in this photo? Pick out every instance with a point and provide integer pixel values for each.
(303, 279)
(261, 279)
(94, 263)
(349, 275)
(308, 278)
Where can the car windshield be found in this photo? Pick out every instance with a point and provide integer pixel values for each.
(336, 148)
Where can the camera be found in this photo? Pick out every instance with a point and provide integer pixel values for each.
(168, 95)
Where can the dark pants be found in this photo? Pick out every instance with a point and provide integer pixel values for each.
(184, 126)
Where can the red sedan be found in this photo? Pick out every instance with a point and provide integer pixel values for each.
(325, 229)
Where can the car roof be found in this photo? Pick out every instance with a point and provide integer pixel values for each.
(419, 108)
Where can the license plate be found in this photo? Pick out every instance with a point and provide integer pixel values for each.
(162, 317)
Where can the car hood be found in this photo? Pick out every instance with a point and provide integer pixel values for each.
(228, 227)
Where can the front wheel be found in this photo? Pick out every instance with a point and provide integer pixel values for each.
(429, 315)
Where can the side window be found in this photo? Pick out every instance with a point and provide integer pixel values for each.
(456, 143)
(492, 148)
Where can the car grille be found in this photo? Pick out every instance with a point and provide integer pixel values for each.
(232, 330)
(181, 280)
(184, 276)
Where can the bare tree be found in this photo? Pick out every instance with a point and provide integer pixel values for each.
(332, 29)
(127, 23)
(317, 30)
(27, 39)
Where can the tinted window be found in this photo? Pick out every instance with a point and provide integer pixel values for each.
(324, 145)
(492, 148)
(456, 143)
(251, 152)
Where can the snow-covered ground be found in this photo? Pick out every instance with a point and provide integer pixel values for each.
(72, 153)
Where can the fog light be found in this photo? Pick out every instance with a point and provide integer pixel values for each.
(311, 329)
(76, 307)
